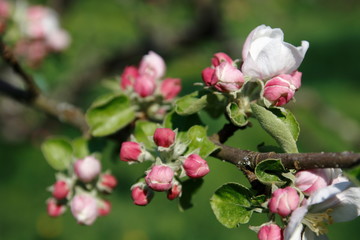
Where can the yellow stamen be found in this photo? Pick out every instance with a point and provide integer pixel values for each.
(318, 222)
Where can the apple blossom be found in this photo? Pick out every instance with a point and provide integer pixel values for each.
(152, 65)
(195, 166)
(54, 209)
(58, 40)
(40, 22)
(175, 191)
(270, 232)
(221, 57)
(309, 181)
(144, 86)
(164, 137)
(130, 152)
(60, 189)
(87, 169)
(107, 182)
(84, 208)
(141, 194)
(128, 77)
(228, 78)
(338, 202)
(160, 177)
(266, 55)
(170, 88)
(284, 201)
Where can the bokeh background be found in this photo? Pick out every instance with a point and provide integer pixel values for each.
(110, 34)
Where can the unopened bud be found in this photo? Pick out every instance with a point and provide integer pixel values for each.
(164, 137)
(170, 88)
(84, 208)
(195, 166)
(152, 65)
(104, 208)
(228, 78)
(160, 178)
(221, 57)
(128, 77)
(284, 201)
(60, 189)
(141, 195)
(175, 191)
(87, 169)
(130, 151)
(270, 232)
(107, 182)
(144, 86)
(54, 209)
(308, 181)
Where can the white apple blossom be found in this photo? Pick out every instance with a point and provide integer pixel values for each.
(266, 55)
(338, 202)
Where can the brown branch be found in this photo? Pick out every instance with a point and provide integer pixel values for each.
(298, 161)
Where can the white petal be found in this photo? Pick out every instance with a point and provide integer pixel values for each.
(347, 205)
(310, 235)
(325, 193)
(291, 230)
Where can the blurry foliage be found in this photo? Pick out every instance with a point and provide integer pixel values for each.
(100, 30)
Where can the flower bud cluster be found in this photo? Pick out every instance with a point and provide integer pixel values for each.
(38, 31)
(310, 187)
(81, 190)
(146, 86)
(170, 164)
(266, 58)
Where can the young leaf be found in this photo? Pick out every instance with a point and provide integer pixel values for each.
(231, 204)
(275, 127)
(198, 140)
(58, 153)
(237, 116)
(191, 103)
(144, 129)
(270, 172)
(109, 114)
(189, 188)
(289, 119)
(80, 146)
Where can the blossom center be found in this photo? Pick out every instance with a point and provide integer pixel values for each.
(318, 222)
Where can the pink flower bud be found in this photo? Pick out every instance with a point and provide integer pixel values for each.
(107, 182)
(164, 137)
(130, 151)
(160, 178)
(141, 195)
(229, 78)
(219, 58)
(270, 232)
(144, 86)
(208, 76)
(87, 169)
(152, 65)
(195, 166)
(308, 181)
(104, 208)
(170, 88)
(58, 40)
(84, 208)
(60, 190)
(281, 89)
(128, 77)
(284, 201)
(175, 191)
(54, 209)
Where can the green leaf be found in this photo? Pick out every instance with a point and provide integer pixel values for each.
(80, 147)
(58, 153)
(275, 127)
(216, 104)
(231, 204)
(289, 119)
(144, 129)
(199, 140)
(189, 188)
(182, 123)
(108, 114)
(191, 103)
(237, 116)
(270, 172)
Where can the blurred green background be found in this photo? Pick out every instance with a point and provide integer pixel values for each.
(110, 34)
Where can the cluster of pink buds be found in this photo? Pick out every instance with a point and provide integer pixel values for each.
(41, 33)
(316, 198)
(81, 190)
(265, 57)
(147, 88)
(170, 165)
